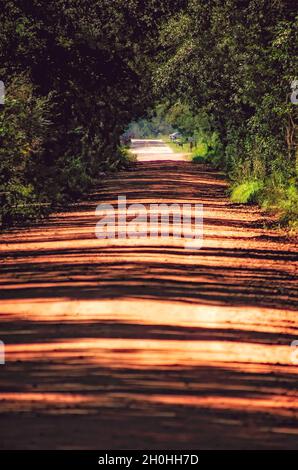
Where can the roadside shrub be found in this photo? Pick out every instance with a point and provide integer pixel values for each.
(73, 178)
(201, 150)
(198, 159)
(24, 125)
(126, 155)
(284, 201)
(122, 158)
(289, 207)
(247, 192)
(19, 204)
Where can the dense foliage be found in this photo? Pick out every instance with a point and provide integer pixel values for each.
(233, 62)
(77, 72)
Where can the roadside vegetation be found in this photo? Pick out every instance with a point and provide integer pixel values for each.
(226, 69)
(76, 73)
(79, 75)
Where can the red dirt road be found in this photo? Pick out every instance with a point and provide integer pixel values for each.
(141, 343)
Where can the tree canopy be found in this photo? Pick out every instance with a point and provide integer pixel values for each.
(78, 72)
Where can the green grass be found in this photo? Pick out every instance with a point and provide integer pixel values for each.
(200, 153)
(201, 150)
(247, 192)
(278, 200)
(284, 202)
